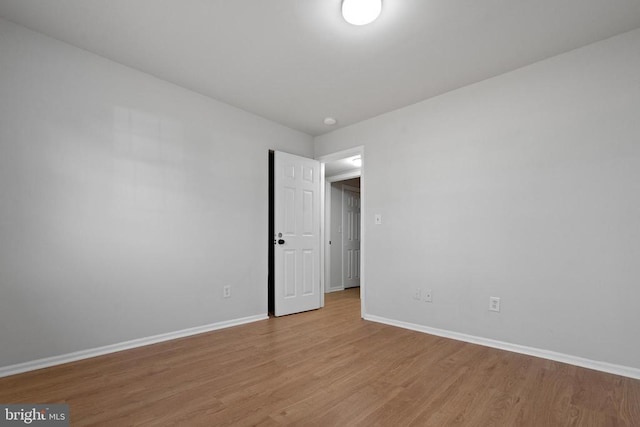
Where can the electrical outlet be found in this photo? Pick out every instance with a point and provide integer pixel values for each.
(427, 296)
(417, 294)
(226, 291)
(494, 304)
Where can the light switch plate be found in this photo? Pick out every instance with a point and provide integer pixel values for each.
(494, 304)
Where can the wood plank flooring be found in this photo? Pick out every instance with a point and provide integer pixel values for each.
(327, 368)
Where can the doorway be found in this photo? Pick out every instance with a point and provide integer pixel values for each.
(336, 167)
(343, 263)
(343, 229)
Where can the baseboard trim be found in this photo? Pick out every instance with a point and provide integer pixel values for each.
(610, 368)
(126, 345)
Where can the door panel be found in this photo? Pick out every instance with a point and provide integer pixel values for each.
(289, 270)
(297, 234)
(307, 272)
(308, 213)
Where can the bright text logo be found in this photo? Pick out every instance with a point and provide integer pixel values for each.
(34, 414)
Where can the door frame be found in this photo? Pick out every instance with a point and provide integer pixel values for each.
(325, 217)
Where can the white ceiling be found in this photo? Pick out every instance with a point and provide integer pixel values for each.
(297, 61)
(338, 167)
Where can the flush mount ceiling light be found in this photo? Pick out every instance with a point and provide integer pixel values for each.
(330, 121)
(361, 12)
(357, 161)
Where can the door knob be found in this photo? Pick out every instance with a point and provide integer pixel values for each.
(281, 241)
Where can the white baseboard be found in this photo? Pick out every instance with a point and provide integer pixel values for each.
(624, 371)
(329, 290)
(5, 371)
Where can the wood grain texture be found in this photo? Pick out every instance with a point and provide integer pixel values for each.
(327, 368)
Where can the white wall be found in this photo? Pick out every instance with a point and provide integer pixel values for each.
(525, 186)
(126, 203)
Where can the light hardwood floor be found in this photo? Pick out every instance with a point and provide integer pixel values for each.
(327, 368)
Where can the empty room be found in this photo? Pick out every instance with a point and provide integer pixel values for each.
(320, 212)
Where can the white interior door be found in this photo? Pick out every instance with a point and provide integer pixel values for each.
(297, 234)
(350, 237)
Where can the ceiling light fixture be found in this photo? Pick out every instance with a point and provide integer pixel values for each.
(361, 12)
(357, 161)
(330, 121)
